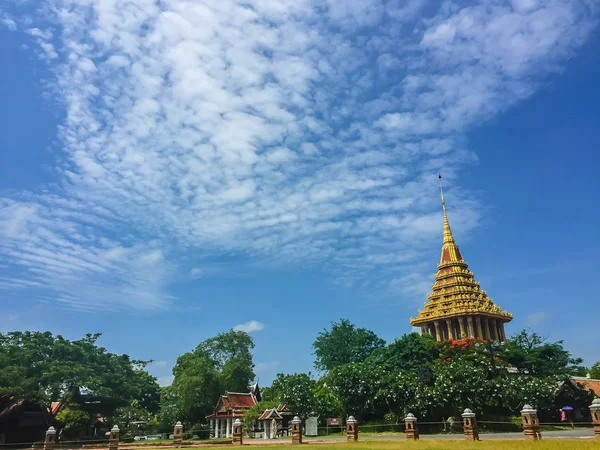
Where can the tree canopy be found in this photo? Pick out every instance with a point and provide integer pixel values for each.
(221, 363)
(343, 344)
(530, 353)
(91, 381)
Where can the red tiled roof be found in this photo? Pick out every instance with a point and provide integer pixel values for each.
(269, 414)
(238, 400)
(588, 384)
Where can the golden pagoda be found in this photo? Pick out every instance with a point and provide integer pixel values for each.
(457, 307)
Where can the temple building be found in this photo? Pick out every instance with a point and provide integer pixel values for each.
(231, 406)
(457, 307)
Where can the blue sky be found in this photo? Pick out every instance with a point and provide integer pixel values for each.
(170, 170)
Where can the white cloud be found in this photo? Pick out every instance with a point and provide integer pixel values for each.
(196, 272)
(537, 318)
(260, 367)
(165, 380)
(249, 327)
(268, 129)
(158, 364)
(8, 21)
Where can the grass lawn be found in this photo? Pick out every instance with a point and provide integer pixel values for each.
(575, 444)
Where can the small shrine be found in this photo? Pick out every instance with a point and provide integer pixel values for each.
(457, 307)
(232, 406)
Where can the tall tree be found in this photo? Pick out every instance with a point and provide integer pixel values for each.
(41, 367)
(297, 391)
(413, 353)
(220, 363)
(531, 354)
(343, 344)
(595, 371)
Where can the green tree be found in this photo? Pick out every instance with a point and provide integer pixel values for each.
(133, 419)
(149, 396)
(327, 403)
(530, 354)
(595, 372)
(251, 415)
(461, 384)
(515, 391)
(355, 385)
(344, 344)
(41, 367)
(297, 392)
(171, 410)
(402, 392)
(412, 353)
(217, 364)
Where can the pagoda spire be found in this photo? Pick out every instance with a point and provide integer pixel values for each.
(457, 306)
(448, 238)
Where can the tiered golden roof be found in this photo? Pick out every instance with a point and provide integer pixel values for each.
(455, 291)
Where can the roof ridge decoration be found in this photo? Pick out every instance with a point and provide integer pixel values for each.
(455, 291)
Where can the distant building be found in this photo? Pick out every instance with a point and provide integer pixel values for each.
(23, 422)
(273, 422)
(457, 307)
(589, 384)
(231, 406)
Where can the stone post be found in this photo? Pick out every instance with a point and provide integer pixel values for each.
(352, 429)
(531, 424)
(113, 439)
(470, 425)
(50, 441)
(595, 410)
(296, 430)
(412, 430)
(237, 432)
(177, 434)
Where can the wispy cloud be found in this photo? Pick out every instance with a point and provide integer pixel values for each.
(165, 380)
(196, 272)
(260, 367)
(537, 318)
(297, 131)
(249, 327)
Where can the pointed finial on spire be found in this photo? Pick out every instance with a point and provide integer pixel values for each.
(442, 192)
(448, 238)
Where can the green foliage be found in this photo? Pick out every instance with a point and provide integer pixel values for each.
(328, 404)
(171, 409)
(595, 372)
(514, 391)
(72, 419)
(403, 392)
(530, 354)
(217, 364)
(252, 415)
(460, 384)
(344, 344)
(134, 419)
(352, 383)
(412, 353)
(297, 391)
(149, 396)
(41, 367)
